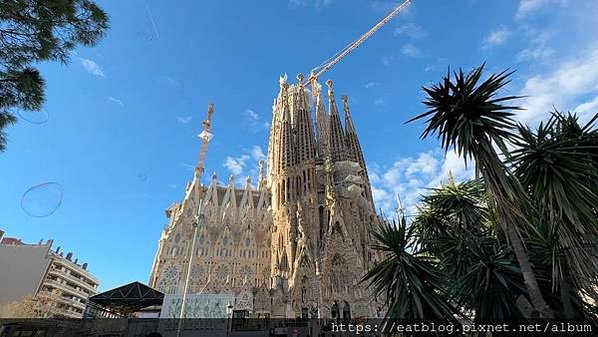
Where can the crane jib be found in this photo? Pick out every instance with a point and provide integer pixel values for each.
(316, 72)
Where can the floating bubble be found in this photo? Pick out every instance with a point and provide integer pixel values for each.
(34, 117)
(42, 200)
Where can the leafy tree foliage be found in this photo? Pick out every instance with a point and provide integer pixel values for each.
(39, 30)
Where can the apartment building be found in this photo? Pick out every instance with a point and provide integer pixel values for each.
(57, 280)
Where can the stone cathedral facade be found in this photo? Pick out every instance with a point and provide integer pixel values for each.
(298, 244)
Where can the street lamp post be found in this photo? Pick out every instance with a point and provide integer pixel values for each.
(229, 314)
(199, 220)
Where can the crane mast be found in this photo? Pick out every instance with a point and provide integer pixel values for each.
(331, 62)
(205, 136)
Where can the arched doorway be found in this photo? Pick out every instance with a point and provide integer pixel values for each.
(334, 311)
(346, 311)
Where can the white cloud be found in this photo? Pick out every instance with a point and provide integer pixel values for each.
(310, 3)
(412, 30)
(115, 100)
(371, 84)
(257, 153)
(538, 49)
(410, 50)
(412, 177)
(387, 60)
(255, 121)
(429, 67)
(562, 88)
(236, 164)
(496, 38)
(379, 101)
(171, 81)
(527, 7)
(184, 119)
(589, 107)
(188, 166)
(92, 67)
(252, 114)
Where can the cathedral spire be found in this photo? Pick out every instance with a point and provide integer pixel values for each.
(354, 148)
(337, 137)
(322, 121)
(305, 143)
(304, 128)
(261, 180)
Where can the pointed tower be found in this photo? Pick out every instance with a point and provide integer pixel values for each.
(305, 142)
(282, 154)
(322, 125)
(338, 148)
(354, 148)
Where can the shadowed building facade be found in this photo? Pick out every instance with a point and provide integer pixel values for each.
(297, 244)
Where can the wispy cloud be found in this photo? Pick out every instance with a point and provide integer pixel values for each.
(527, 7)
(411, 30)
(410, 50)
(171, 81)
(538, 49)
(387, 60)
(589, 107)
(115, 100)
(92, 67)
(252, 115)
(151, 18)
(379, 101)
(413, 176)
(567, 85)
(310, 3)
(257, 153)
(429, 67)
(236, 165)
(184, 119)
(247, 163)
(188, 166)
(371, 84)
(496, 38)
(255, 121)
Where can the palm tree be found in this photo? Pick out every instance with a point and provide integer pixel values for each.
(467, 116)
(408, 277)
(558, 165)
(480, 272)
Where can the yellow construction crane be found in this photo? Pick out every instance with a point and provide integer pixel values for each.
(205, 136)
(316, 72)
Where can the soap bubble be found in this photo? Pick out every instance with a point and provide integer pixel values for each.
(42, 200)
(33, 116)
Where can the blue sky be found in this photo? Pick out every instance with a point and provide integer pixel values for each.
(123, 116)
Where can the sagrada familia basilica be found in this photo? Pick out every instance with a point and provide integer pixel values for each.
(298, 244)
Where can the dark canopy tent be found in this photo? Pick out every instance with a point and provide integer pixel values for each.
(123, 301)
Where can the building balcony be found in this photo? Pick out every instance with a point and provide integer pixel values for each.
(66, 288)
(62, 274)
(76, 268)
